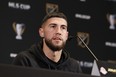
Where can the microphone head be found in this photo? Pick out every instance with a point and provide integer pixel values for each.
(70, 38)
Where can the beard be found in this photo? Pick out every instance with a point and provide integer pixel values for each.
(54, 47)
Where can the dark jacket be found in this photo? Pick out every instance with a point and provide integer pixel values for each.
(34, 57)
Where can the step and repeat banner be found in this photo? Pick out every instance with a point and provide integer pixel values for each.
(93, 20)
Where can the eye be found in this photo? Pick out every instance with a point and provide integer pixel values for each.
(53, 26)
(64, 27)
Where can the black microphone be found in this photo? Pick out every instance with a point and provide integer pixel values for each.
(71, 37)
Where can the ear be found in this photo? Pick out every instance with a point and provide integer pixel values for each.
(41, 32)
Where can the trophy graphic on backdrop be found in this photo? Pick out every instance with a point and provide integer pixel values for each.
(19, 29)
(112, 20)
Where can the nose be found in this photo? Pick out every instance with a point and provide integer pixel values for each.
(58, 30)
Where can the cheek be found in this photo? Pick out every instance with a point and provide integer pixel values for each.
(65, 36)
(48, 35)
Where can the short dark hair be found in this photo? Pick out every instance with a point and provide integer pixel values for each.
(54, 14)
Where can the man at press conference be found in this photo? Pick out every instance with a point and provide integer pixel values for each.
(50, 53)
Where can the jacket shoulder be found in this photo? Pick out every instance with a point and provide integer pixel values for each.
(22, 58)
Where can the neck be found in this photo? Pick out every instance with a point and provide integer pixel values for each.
(52, 55)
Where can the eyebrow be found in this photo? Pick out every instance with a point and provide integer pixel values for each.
(56, 24)
(52, 24)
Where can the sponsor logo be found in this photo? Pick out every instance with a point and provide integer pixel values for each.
(19, 6)
(51, 8)
(110, 44)
(12, 55)
(82, 16)
(86, 64)
(112, 70)
(84, 37)
(103, 70)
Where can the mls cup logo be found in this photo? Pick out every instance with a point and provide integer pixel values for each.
(19, 29)
(84, 37)
(51, 8)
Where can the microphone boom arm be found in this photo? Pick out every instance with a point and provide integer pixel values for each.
(88, 48)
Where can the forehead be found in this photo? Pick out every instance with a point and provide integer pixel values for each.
(56, 20)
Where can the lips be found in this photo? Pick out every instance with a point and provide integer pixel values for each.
(56, 38)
